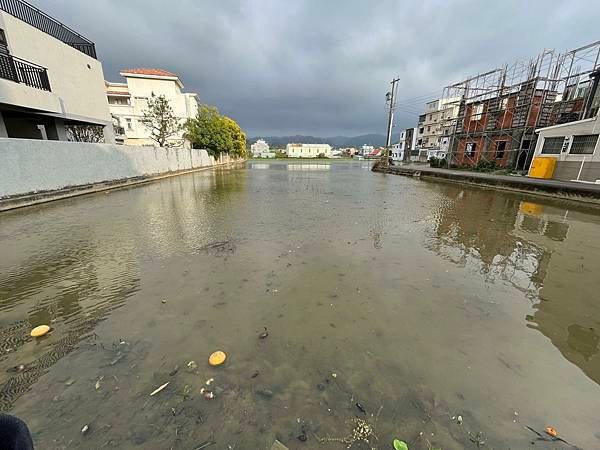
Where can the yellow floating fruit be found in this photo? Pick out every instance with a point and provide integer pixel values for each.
(40, 331)
(217, 358)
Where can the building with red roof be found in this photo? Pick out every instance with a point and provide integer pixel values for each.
(127, 102)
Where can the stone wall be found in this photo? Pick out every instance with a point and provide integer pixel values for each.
(31, 166)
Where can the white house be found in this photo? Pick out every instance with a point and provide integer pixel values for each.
(259, 147)
(407, 143)
(128, 101)
(50, 79)
(308, 150)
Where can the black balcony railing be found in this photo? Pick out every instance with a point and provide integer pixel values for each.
(42, 21)
(22, 71)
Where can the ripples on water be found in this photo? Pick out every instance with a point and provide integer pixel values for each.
(415, 292)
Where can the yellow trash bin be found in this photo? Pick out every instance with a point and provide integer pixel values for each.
(542, 167)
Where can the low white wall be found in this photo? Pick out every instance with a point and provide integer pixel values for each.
(33, 165)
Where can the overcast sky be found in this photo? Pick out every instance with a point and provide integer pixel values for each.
(322, 67)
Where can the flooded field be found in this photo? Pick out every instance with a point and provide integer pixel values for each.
(446, 316)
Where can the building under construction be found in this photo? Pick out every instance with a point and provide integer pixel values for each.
(500, 110)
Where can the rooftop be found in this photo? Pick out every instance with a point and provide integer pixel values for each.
(149, 71)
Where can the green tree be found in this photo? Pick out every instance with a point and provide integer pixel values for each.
(161, 121)
(216, 133)
(237, 136)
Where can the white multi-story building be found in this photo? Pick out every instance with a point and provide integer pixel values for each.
(259, 147)
(50, 79)
(407, 143)
(128, 101)
(308, 150)
(437, 122)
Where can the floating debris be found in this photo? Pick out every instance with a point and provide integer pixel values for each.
(17, 369)
(361, 408)
(362, 431)
(192, 366)
(334, 375)
(217, 358)
(477, 439)
(40, 331)
(264, 392)
(85, 429)
(208, 395)
(302, 437)
(264, 334)
(254, 374)
(205, 444)
(174, 371)
(459, 420)
(158, 389)
(209, 381)
(98, 385)
(399, 445)
(163, 301)
(117, 359)
(278, 446)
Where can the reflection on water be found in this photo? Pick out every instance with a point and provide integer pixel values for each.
(549, 253)
(425, 300)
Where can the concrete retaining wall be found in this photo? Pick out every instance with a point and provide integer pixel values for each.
(30, 166)
(568, 170)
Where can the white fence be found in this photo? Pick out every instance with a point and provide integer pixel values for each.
(28, 166)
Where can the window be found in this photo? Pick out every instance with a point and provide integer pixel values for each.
(552, 145)
(500, 148)
(470, 148)
(503, 103)
(584, 144)
(129, 124)
(421, 130)
(3, 42)
(477, 111)
(118, 101)
(428, 128)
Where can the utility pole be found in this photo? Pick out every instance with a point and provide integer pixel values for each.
(390, 99)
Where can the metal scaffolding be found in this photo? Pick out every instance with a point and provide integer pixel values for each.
(509, 103)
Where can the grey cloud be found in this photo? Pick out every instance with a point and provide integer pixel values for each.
(321, 67)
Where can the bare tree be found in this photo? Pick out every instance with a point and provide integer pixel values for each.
(161, 121)
(85, 133)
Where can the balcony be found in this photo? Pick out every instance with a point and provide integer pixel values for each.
(43, 22)
(21, 71)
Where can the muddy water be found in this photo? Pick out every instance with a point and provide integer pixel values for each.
(420, 301)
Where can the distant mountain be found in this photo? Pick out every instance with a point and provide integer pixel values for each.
(374, 139)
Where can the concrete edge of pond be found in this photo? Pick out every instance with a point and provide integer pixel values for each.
(31, 199)
(564, 190)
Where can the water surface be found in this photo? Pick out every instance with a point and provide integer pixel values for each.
(421, 301)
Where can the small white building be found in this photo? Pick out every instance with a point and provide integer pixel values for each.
(308, 150)
(128, 101)
(259, 147)
(50, 79)
(407, 143)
